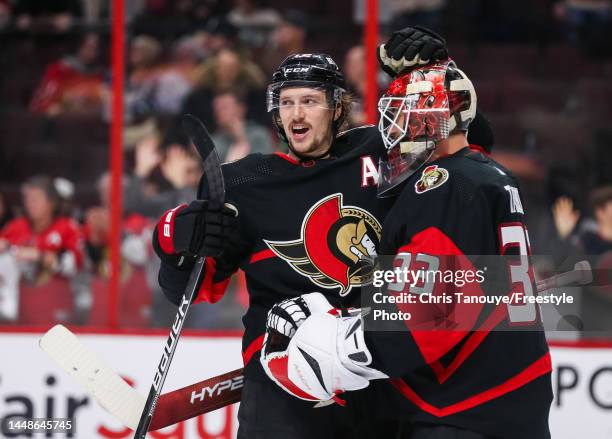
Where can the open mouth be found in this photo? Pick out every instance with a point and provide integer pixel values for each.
(299, 131)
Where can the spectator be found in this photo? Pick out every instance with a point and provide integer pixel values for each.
(154, 88)
(591, 239)
(565, 217)
(587, 23)
(96, 232)
(251, 13)
(355, 74)
(72, 84)
(95, 11)
(254, 21)
(135, 291)
(164, 178)
(9, 273)
(599, 240)
(405, 13)
(289, 37)
(97, 226)
(6, 213)
(60, 15)
(227, 71)
(171, 19)
(220, 34)
(236, 136)
(187, 53)
(47, 247)
(9, 288)
(65, 191)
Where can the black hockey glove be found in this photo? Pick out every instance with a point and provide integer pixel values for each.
(411, 47)
(186, 232)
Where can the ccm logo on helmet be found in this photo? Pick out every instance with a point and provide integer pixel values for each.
(297, 70)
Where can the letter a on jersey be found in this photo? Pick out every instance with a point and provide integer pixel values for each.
(336, 246)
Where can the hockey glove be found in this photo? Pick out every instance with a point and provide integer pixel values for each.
(193, 230)
(316, 357)
(411, 47)
(285, 317)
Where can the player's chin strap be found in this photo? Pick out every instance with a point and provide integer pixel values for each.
(326, 357)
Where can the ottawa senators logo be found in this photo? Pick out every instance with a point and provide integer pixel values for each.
(337, 245)
(431, 178)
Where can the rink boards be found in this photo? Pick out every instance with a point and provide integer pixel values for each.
(31, 383)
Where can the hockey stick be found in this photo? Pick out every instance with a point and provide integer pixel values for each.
(126, 404)
(582, 274)
(212, 172)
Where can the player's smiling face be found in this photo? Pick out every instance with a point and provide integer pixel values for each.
(307, 119)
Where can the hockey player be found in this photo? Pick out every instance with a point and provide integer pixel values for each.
(308, 220)
(483, 378)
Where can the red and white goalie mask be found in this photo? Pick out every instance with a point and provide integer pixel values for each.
(418, 110)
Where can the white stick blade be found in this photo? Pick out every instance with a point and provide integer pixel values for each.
(103, 383)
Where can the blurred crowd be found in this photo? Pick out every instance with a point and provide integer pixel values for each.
(539, 73)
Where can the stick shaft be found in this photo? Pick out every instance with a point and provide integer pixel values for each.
(169, 350)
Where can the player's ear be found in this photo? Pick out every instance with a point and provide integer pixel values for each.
(338, 111)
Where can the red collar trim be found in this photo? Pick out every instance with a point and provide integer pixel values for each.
(478, 148)
(286, 157)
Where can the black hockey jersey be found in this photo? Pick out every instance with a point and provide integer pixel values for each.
(484, 376)
(305, 226)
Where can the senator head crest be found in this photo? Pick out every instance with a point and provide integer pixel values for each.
(337, 245)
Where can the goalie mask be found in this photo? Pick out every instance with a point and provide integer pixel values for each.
(308, 70)
(418, 110)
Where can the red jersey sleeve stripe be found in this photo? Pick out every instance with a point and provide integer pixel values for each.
(211, 291)
(261, 255)
(252, 349)
(535, 370)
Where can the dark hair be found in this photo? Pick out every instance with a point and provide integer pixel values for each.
(45, 183)
(175, 135)
(601, 196)
(240, 97)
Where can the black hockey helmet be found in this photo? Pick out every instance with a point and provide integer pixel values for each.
(312, 70)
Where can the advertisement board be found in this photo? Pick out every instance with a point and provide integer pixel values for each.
(31, 384)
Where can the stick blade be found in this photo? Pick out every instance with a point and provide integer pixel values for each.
(198, 134)
(103, 383)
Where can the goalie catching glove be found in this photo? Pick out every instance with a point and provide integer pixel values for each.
(411, 47)
(188, 231)
(315, 351)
